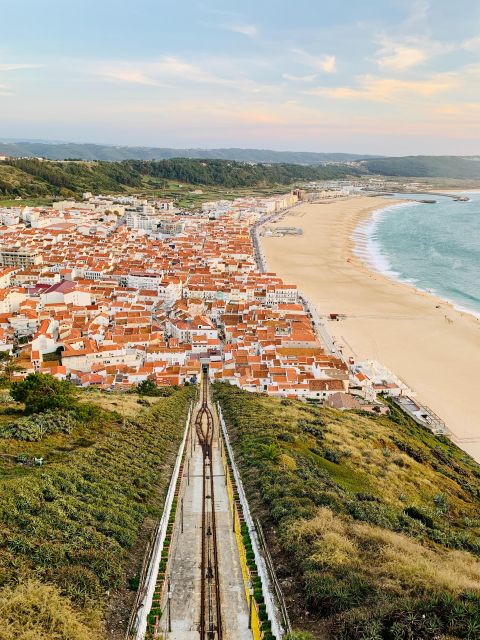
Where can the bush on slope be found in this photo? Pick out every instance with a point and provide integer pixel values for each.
(72, 524)
(373, 521)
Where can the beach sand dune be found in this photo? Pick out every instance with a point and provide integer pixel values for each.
(434, 348)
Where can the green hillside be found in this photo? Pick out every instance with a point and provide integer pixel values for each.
(74, 530)
(30, 178)
(373, 521)
(426, 167)
(35, 178)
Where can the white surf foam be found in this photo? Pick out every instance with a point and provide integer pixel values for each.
(366, 244)
(369, 250)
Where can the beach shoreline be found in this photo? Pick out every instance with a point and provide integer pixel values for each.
(422, 338)
(368, 263)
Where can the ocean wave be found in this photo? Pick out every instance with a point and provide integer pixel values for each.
(366, 244)
(368, 249)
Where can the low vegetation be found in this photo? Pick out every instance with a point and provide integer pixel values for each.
(42, 392)
(34, 428)
(33, 610)
(35, 178)
(373, 521)
(149, 388)
(69, 527)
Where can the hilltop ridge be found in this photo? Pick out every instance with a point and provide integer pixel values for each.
(115, 153)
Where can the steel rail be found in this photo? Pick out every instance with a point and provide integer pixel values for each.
(210, 627)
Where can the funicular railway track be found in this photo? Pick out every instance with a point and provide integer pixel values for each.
(210, 627)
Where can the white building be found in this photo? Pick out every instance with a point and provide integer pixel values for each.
(144, 280)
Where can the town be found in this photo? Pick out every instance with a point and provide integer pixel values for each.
(113, 291)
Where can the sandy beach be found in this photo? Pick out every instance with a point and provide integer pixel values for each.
(436, 351)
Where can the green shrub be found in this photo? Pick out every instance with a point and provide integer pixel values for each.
(420, 515)
(332, 456)
(358, 573)
(33, 428)
(271, 452)
(73, 524)
(40, 392)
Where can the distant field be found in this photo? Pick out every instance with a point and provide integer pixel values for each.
(184, 196)
(181, 193)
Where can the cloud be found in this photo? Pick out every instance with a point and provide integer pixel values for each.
(249, 30)
(325, 63)
(134, 77)
(400, 57)
(459, 110)
(329, 64)
(472, 45)
(293, 78)
(404, 54)
(418, 14)
(5, 90)
(171, 71)
(388, 89)
(16, 67)
(155, 73)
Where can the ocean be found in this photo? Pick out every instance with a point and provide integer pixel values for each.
(433, 247)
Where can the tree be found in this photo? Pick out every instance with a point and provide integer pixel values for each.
(41, 392)
(7, 367)
(147, 388)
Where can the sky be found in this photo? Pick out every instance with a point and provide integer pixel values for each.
(367, 76)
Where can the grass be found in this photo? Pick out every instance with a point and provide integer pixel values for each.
(126, 404)
(26, 202)
(184, 195)
(36, 611)
(71, 524)
(373, 521)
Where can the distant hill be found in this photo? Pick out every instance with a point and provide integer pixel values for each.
(70, 150)
(37, 178)
(100, 168)
(426, 166)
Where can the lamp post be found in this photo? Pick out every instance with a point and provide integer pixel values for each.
(250, 604)
(169, 612)
(169, 603)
